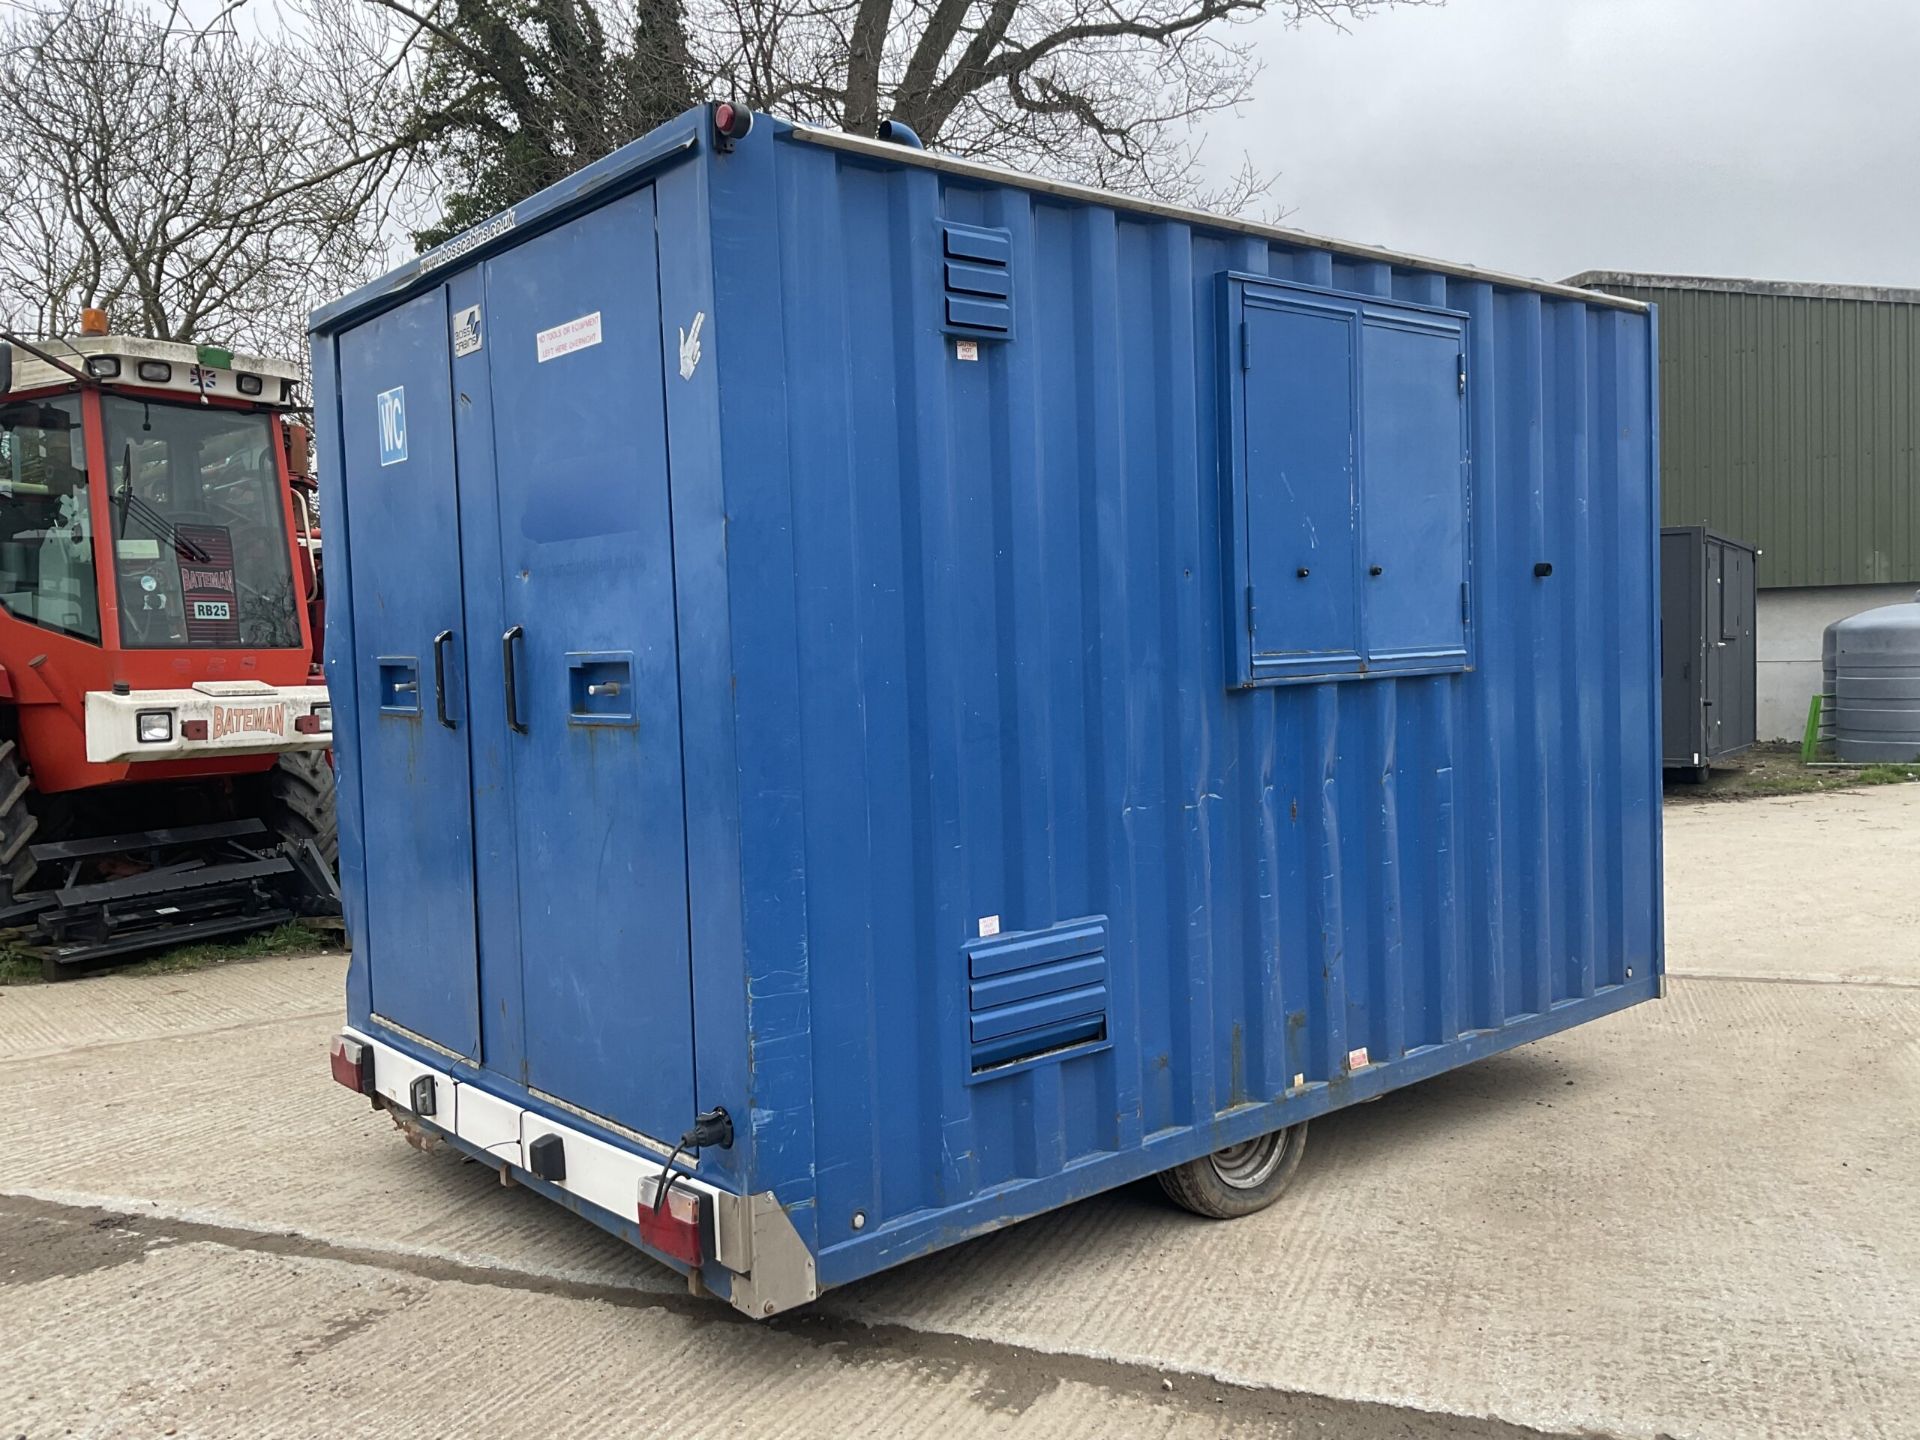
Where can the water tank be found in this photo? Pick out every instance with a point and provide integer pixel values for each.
(1873, 675)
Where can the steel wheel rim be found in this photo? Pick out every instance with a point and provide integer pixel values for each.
(1250, 1164)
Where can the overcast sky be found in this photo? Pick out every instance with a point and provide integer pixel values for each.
(1777, 139)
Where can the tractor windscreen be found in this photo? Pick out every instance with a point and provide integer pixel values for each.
(199, 535)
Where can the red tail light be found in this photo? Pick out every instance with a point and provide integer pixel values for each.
(679, 1227)
(193, 729)
(352, 1062)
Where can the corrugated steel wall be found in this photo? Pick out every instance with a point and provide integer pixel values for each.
(1793, 421)
(1013, 701)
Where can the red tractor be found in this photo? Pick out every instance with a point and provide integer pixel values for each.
(163, 731)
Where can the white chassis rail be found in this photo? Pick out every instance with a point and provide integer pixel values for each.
(754, 1237)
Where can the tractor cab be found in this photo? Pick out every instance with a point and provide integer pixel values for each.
(158, 594)
(148, 520)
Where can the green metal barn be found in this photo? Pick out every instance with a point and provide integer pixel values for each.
(1790, 417)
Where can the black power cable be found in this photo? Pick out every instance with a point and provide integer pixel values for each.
(711, 1127)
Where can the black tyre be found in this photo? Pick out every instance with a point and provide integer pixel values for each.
(17, 824)
(1240, 1179)
(299, 802)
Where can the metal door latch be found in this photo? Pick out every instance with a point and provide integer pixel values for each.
(605, 687)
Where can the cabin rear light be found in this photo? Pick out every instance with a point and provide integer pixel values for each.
(320, 722)
(352, 1062)
(154, 727)
(193, 729)
(681, 1227)
(158, 371)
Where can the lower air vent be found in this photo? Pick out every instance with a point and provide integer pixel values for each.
(1036, 994)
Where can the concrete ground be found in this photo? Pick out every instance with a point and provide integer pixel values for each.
(1694, 1219)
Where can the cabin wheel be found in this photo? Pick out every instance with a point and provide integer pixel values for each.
(1241, 1178)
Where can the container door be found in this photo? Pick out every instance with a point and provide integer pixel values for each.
(403, 526)
(1738, 727)
(1716, 648)
(592, 671)
(1680, 679)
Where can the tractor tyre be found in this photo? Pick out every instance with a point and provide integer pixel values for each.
(299, 802)
(17, 824)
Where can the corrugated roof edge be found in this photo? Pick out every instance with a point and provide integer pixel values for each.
(1733, 285)
(998, 175)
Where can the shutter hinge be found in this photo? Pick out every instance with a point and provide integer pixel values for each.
(1463, 372)
(1249, 609)
(1463, 602)
(1246, 346)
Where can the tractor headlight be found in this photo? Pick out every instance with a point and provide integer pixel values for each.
(154, 727)
(323, 715)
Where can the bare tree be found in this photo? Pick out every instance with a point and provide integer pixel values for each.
(512, 95)
(198, 186)
(1111, 92)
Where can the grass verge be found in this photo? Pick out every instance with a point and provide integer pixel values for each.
(1777, 769)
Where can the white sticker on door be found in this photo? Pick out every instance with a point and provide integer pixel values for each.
(690, 345)
(564, 339)
(466, 330)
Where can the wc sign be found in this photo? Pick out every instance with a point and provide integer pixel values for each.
(393, 424)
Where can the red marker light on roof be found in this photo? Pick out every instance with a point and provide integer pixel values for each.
(731, 122)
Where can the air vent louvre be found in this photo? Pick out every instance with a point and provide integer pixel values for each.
(977, 273)
(1037, 994)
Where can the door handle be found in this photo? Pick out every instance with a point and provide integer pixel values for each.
(507, 676)
(440, 643)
